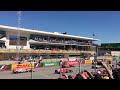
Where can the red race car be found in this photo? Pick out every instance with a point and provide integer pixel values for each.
(67, 77)
(63, 70)
(63, 77)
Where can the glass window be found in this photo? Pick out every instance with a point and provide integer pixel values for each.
(2, 34)
(13, 40)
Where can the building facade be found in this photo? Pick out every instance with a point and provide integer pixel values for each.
(110, 48)
(48, 44)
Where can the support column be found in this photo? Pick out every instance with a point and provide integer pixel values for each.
(66, 55)
(64, 47)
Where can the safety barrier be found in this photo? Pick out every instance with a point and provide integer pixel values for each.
(35, 65)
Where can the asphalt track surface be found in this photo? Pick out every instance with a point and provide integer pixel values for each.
(43, 73)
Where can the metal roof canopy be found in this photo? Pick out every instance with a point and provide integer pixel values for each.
(8, 28)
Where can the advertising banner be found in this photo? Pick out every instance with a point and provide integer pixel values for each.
(116, 58)
(51, 64)
(70, 63)
(27, 66)
(88, 61)
(115, 53)
(108, 59)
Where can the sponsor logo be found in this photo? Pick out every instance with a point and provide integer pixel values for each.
(88, 61)
(23, 66)
(2, 57)
(72, 62)
(49, 64)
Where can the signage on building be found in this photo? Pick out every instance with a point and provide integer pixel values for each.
(115, 53)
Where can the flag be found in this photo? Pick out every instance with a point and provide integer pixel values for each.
(65, 33)
(93, 34)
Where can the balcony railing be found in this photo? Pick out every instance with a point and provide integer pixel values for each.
(46, 51)
(62, 42)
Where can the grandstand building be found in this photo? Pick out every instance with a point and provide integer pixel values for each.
(110, 48)
(41, 43)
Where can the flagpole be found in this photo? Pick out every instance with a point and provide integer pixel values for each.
(96, 55)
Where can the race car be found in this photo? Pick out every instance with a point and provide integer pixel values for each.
(93, 73)
(63, 70)
(66, 77)
(97, 66)
(21, 70)
(63, 77)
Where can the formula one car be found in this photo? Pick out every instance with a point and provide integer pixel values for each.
(21, 70)
(97, 66)
(63, 70)
(63, 77)
(94, 73)
(66, 77)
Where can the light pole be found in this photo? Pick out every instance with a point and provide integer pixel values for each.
(80, 65)
(60, 68)
(31, 70)
(95, 57)
(116, 63)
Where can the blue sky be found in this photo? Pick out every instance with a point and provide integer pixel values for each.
(104, 24)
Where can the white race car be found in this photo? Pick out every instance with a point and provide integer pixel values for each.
(97, 66)
(21, 70)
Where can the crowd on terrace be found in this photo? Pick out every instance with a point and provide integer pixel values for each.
(52, 39)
